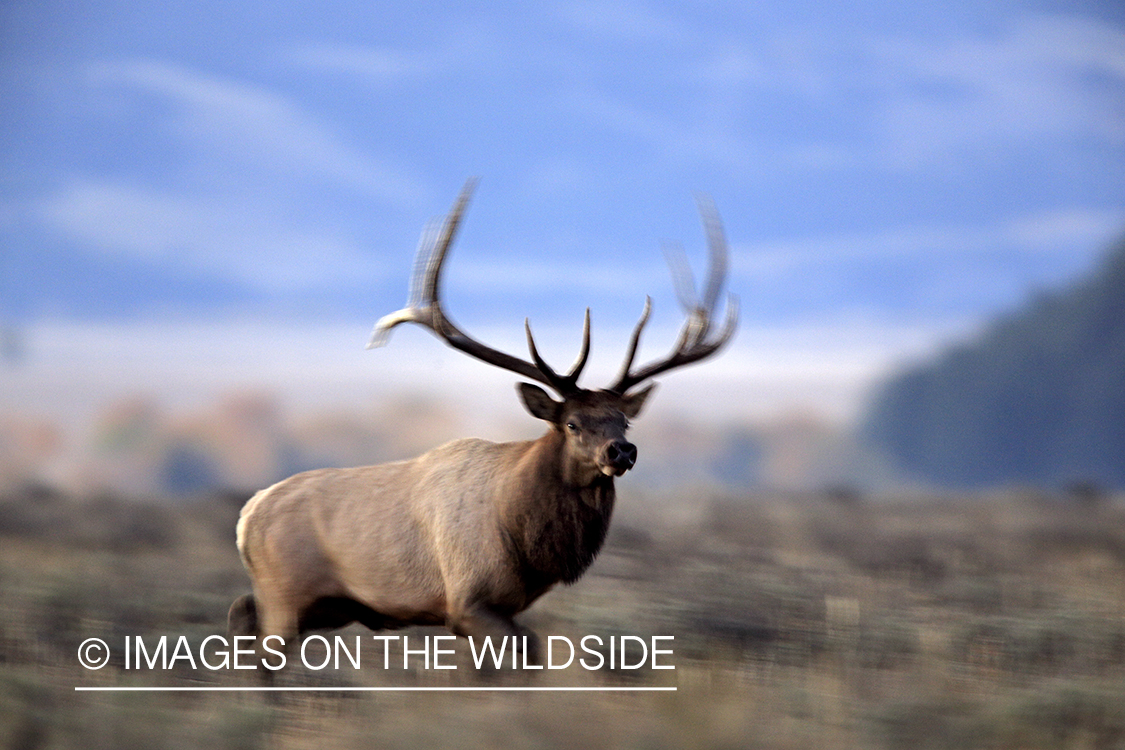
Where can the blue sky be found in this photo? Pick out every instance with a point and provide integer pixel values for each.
(878, 165)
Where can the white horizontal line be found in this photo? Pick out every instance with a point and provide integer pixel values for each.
(200, 689)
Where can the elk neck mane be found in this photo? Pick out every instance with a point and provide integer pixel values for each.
(555, 527)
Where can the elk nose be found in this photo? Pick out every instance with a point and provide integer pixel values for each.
(621, 455)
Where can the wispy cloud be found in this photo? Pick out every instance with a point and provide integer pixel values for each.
(673, 138)
(259, 245)
(899, 102)
(253, 124)
(1042, 78)
(379, 64)
(923, 271)
(264, 250)
(622, 21)
(1056, 232)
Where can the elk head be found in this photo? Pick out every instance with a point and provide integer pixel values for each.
(591, 423)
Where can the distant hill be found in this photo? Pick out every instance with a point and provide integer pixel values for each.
(1038, 398)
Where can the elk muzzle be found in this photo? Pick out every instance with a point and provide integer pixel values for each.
(618, 457)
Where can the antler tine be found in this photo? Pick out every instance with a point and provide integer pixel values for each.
(682, 279)
(634, 342)
(426, 244)
(580, 363)
(562, 383)
(431, 289)
(693, 343)
(556, 381)
(425, 307)
(683, 354)
(717, 245)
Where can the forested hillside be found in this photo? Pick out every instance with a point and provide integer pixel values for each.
(1038, 398)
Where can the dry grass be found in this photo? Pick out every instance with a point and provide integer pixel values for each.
(993, 622)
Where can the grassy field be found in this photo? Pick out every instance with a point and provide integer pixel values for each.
(799, 622)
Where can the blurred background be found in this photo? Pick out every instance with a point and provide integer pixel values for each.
(204, 208)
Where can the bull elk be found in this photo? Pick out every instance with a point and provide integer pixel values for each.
(471, 533)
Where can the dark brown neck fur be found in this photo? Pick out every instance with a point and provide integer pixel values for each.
(555, 527)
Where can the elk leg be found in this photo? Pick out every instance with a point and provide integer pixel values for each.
(242, 619)
(275, 618)
(533, 650)
(479, 621)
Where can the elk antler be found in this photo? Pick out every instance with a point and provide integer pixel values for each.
(693, 344)
(424, 308)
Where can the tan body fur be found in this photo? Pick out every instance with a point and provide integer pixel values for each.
(457, 536)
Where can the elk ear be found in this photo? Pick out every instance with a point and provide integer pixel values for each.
(631, 404)
(539, 403)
